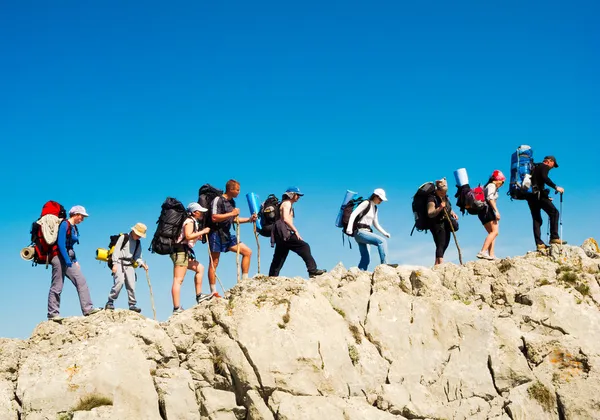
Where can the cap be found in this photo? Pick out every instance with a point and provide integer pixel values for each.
(553, 159)
(441, 184)
(140, 229)
(294, 190)
(192, 207)
(78, 210)
(379, 192)
(498, 175)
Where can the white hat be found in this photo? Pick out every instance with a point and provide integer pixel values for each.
(380, 193)
(78, 210)
(192, 207)
(140, 230)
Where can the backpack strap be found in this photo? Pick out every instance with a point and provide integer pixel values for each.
(125, 240)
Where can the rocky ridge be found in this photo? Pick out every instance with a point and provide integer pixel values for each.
(513, 339)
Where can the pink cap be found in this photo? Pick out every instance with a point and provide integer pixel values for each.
(498, 176)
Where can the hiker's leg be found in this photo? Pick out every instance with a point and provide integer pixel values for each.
(365, 258)
(118, 281)
(74, 274)
(489, 239)
(279, 257)
(56, 286)
(246, 256)
(374, 239)
(549, 207)
(303, 250)
(130, 279)
(213, 263)
(438, 231)
(447, 234)
(180, 262)
(536, 215)
(198, 269)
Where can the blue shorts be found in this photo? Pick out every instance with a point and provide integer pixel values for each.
(221, 242)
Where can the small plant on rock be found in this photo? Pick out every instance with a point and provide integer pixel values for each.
(353, 353)
(355, 331)
(340, 311)
(569, 277)
(542, 395)
(583, 288)
(92, 401)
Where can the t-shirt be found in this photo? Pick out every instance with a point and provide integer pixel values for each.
(491, 192)
(181, 239)
(222, 206)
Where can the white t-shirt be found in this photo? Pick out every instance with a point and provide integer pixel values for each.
(491, 192)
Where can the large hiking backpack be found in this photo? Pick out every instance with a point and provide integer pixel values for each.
(419, 207)
(169, 224)
(470, 200)
(268, 214)
(206, 194)
(111, 247)
(521, 169)
(44, 232)
(347, 210)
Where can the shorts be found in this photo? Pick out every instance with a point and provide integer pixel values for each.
(221, 242)
(487, 216)
(180, 258)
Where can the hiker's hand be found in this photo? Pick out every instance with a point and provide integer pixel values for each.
(235, 212)
(560, 189)
(114, 268)
(443, 205)
(454, 216)
(387, 235)
(298, 235)
(349, 232)
(254, 217)
(145, 267)
(497, 215)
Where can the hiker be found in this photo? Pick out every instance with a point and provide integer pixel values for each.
(184, 258)
(221, 239)
(362, 218)
(127, 252)
(286, 238)
(490, 216)
(66, 264)
(438, 210)
(540, 200)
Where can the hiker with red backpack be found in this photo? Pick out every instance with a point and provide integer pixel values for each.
(65, 264)
(490, 215)
(540, 200)
(441, 215)
(363, 217)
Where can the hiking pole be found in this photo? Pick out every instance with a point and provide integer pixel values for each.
(237, 254)
(560, 220)
(454, 234)
(151, 294)
(212, 264)
(257, 245)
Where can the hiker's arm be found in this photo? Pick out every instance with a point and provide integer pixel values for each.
(61, 242)
(361, 207)
(117, 251)
(222, 217)
(189, 233)
(137, 255)
(286, 215)
(248, 219)
(494, 207)
(432, 211)
(378, 226)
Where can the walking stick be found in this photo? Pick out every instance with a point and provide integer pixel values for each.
(151, 294)
(237, 254)
(257, 246)
(212, 264)
(561, 225)
(454, 234)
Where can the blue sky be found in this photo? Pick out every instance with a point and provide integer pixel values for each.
(117, 105)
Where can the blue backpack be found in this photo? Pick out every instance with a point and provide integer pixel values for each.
(521, 168)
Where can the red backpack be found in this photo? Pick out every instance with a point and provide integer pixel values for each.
(43, 251)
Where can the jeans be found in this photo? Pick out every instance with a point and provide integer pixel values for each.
(364, 238)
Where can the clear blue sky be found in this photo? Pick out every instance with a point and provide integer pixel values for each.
(117, 105)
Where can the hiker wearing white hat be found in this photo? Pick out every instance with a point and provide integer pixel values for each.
(126, 255)
(360, 225)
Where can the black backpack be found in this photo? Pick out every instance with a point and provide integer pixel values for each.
(113, 242)
(268, 214)
(419, 207)
(206, 194)
(347, 210)
(169, 224)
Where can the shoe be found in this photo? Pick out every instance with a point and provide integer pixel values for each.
(557, 241)
(55, 318)
(541, 247)
(135, 309)
(392, 265)
(92, 311)
(202, 297)
(316, 273)
(216, 294)
(494, 258)
(109, 305)
(177, 310)
(483, 255)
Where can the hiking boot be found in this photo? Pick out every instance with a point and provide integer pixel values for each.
(177, 310)
(216, 294)
(316, 273)
(92, 311)
(201, 297)
(109, 305)
(392, 265)
(135, 309)
(483, 255)
(55, 318)
(557, 241)
(541, 247)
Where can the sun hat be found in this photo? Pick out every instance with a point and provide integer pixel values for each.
(78, 210)
(192, 207)
(294, 190)
(553, 159)
(498, 176)
(140, 230)
(379, 192)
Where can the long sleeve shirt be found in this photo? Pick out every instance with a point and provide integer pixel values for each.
(540, 177)
(131, 252)
(369, 219)
(66, 240)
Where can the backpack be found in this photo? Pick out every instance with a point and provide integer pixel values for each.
(347, 210)
(111, 247)
(268, 214)
(470, 200)
(206, 194)
(44, 232)
(521, 169)
(419, 207)
(168, 229)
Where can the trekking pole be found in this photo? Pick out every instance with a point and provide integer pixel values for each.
(560, 220)
(151, 294)
(212, 264)
(454, 234)
(257, 246)
(237, 254)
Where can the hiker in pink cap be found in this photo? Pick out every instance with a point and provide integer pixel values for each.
(490, 216)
